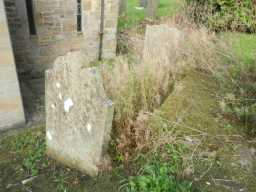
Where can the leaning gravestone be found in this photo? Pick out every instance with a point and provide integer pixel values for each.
(78, 114)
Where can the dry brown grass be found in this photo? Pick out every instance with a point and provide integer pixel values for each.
(138, 88)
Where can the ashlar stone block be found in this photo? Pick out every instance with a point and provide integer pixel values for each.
(11, 106)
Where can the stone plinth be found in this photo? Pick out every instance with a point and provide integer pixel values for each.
(11, 107)
(78, 114)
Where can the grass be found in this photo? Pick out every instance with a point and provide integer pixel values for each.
(239, 86)
(22, 156)
(224, 15)
(191, 115)
(30, 147)
(243, 45)
(159, 173)
(194, 110)
(25, 158)
(134, 16)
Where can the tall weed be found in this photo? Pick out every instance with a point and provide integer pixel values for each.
(138, 88)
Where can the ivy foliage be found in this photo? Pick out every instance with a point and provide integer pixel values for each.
(223, 15)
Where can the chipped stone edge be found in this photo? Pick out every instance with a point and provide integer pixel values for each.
(82, 165)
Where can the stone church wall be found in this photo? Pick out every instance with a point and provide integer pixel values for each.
(56, 31)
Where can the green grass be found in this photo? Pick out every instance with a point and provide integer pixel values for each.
(23, 155)
(159, 173)
(30, 148)
(193, 108)
(168, 7)
(135, 16)
(243, 45)
(242, 85)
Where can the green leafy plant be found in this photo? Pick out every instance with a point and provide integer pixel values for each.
(31, 148)
(159, 174)
(239, 89)
(224, 15)
(62, 184)
(238, 82)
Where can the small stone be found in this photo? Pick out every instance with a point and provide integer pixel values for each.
(188, 173)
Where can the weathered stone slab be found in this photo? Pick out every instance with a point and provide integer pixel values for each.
(160, 41)
(160, 46)
(78, 114)
(11, 107)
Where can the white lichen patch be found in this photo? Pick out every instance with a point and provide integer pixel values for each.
(58, 85)
(89, 127)
(60, 96)
(49, 135)
(53, 106)
(109, 103)
(68, 104)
